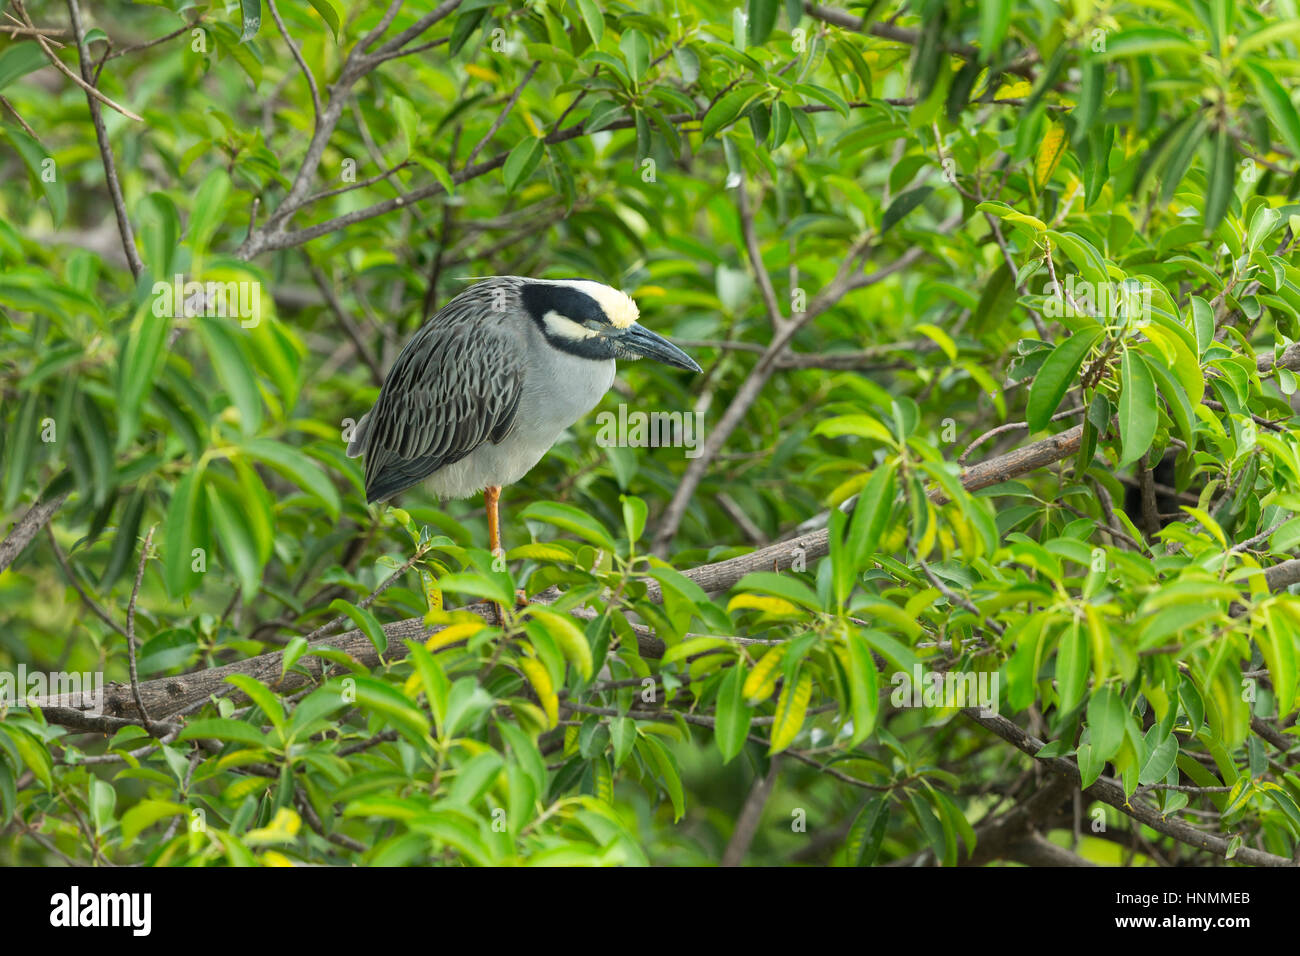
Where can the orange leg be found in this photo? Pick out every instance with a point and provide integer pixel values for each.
(491, 498)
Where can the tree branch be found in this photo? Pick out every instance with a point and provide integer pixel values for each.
(846, 280)
(105, 148)
(28, 526)
(1108, 793)
(53, 57)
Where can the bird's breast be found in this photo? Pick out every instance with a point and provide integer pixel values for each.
(560, 390)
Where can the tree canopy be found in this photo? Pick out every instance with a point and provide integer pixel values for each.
(989, 492)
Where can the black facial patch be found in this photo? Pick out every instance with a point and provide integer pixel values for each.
(576, 306)
(564, 300)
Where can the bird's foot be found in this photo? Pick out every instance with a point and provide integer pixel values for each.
(521, 601)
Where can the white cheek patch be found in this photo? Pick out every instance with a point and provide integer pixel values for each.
(566, 328)
(617, 306)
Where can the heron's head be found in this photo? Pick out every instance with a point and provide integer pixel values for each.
(595, 321)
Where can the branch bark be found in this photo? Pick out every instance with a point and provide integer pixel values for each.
(28, 526)
(166, 695)
(1108, 793)
(721, 575)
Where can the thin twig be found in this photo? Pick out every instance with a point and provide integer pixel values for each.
(504, 114)
(105, 148)
(61, 559)
(761, 276)
(130, 633)
(1011, 426)
(349, 326)
(297, 55)
(16, 115)
(59, 65)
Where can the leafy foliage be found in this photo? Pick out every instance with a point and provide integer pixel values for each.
(1060, 240)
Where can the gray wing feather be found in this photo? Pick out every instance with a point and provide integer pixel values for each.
(455, 385)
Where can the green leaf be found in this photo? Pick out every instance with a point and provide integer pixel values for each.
(141, 357)
(1203, 321)
(160, 231)
(208, 211)
(34, 754)
(1277, 105)
(870, 513)
(593, 19)
(734, 715)
(904, 204)
(408, 124)
(262, 696)
(1137, 408)
(251, 14)
(237, 543)
(636, 53)
(725, 111)
(572, 641)
(180, 534)
(18, 60)
(44, 171)
(298, 468)
(378, 697)
(1147, 41)
(366, 623)
(782, 585)
(868, 832)
(1106, 715)
(1162, 752)
(1221, 171)
(1083, 254)
(333, 13)
(20, 444)
(602, 114)
(464, 28)
(234, 370)
(125, 540)
(316, 706)
(864, 688)
(1055, 377)
(761, 19)
(521, 162)
(570, 519)
(665, 767)
(474, 778)
(1091, 764)
(220, 728)
(995, 15)
(1072, 666)
(635, 511)
(145, 814)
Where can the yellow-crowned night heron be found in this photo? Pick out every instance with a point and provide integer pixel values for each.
(488, 384)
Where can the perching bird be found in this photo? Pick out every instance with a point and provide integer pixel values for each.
(488, 384)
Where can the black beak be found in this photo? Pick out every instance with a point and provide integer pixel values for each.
(639, 340)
